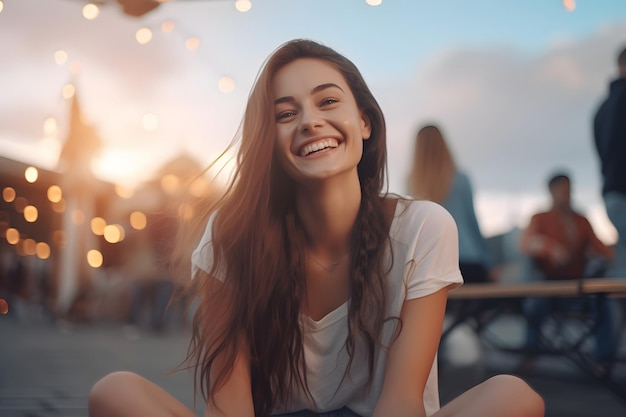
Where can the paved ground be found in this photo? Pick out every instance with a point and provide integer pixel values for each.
(47, 370)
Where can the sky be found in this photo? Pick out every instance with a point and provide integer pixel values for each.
(512, 84)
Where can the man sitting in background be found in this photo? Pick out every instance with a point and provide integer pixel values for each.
(559, 242)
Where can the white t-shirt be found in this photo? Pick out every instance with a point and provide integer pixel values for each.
(425, 259)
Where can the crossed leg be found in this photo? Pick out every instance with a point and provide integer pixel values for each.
(499, 396)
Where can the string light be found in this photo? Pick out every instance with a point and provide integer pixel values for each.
(8, 194)
(226, 84)
(138, 220)
(90, 11)
(192, 43)
(243, 5)
(143, 36)
(68, 91)
(60, 57)
(12, 235)
(168, 26)
(50, 128)
(31, 174)
(54, 194)
(570, 5)
(43, 250)
(31, 214)
(94, 258)
(97, 226)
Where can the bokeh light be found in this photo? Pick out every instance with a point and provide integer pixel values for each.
(54, 193)
(29, 246)
(114, 233)
(42, 250)
(192, 43)
(170, 183)
(138, 220)
(97, 226)
(168, 26)
(31, 174)
(90, 11)
(143, 36)
(60, 57)
(226, 84)
(124, 191)
(12, 235)
(50, 127)
(1, 6)
(374, 2)
(8, 194)
(31, 214)
(94, 258)
(570, 5)
(243, 5)
(68, 91)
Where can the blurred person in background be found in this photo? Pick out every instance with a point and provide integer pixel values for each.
(609, 128)
(436, 177)
(560, 243)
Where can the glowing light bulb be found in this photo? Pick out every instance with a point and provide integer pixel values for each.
(60, 57)
(31, 174)
(94, 258)
(226, 85)
(143, 36)
(243, 5)
(90, 11)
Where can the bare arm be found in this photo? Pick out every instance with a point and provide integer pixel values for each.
(535, 244)
(598, 246)
(234, 399)
(411, 357)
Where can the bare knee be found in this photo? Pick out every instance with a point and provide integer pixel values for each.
(110, 395)
(526, 400)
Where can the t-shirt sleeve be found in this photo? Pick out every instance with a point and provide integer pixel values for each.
(202, 257)
(433, 256)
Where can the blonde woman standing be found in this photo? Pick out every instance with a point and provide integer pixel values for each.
(436, 177)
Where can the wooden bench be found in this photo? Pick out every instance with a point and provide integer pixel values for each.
(479, 304)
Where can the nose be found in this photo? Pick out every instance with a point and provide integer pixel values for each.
(311, 119)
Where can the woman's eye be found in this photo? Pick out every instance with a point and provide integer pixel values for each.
(285, 115)
(328, 101)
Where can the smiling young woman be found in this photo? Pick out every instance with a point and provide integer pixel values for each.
(319, 293)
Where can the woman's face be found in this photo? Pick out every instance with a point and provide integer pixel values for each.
(319, 127)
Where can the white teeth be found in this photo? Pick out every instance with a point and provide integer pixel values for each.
(318, 146)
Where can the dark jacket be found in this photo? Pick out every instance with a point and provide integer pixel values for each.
(609, 128)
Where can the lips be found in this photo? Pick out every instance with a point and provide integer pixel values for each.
(317, 146)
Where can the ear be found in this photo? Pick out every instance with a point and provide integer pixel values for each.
(366, 126)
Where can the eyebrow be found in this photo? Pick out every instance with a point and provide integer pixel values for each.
(314, 90)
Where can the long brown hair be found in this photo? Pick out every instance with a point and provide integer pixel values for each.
(257, 244)
(433, 166)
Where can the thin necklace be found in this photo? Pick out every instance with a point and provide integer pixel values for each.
(330, 268)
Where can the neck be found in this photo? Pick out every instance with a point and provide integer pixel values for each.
(563, 208)
(328, 210)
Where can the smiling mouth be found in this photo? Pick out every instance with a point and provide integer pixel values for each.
(319, 146)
